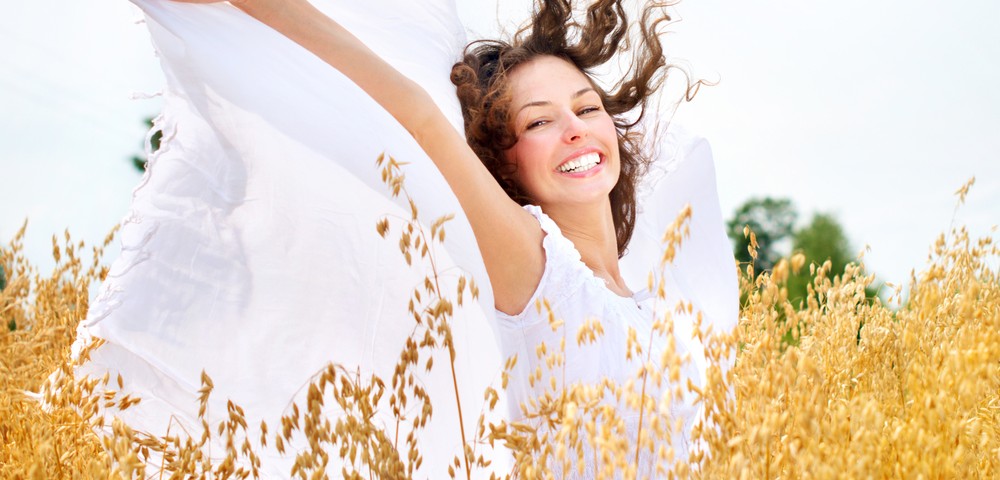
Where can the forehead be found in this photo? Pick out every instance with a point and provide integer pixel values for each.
(545, 78)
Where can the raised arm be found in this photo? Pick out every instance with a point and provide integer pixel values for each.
(508, 237)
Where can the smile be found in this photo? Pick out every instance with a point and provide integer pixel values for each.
(580, 164)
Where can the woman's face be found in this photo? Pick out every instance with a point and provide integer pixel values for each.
(567, 145)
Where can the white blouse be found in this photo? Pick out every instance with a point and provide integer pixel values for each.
(575, 295)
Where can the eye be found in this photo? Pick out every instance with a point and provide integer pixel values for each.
(588, 109)
(535, 124)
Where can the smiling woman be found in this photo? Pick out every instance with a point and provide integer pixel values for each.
(233, 259)
(566, 155)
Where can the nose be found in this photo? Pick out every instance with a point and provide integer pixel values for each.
(576, 129)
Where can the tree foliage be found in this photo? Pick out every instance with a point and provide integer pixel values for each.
(772, 221)
(822, 239)
(139, 161)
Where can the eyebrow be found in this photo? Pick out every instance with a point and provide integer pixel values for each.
(540, 103)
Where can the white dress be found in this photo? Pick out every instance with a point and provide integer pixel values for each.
(250, 251)
(570, 293)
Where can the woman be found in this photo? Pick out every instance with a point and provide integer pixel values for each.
(544, 125)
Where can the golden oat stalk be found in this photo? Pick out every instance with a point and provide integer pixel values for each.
(865, 390)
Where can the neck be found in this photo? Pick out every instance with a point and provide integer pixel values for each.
(591, 228)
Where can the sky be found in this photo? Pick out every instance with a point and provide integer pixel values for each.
(875, 112)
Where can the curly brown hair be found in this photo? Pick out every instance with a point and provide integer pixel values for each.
(482, 87)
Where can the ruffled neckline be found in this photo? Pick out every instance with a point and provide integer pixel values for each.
(553, 234)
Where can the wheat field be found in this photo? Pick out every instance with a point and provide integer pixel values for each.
(842, 387)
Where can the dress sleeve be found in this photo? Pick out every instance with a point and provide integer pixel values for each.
(563, 275)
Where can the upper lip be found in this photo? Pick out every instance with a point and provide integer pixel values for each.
(579, 153)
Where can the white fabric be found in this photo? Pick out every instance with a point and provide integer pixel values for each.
(250, 250)
(575, 295)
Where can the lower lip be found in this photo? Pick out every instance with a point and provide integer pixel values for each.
(587, 173)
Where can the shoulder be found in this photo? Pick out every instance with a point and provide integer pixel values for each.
(563, 272)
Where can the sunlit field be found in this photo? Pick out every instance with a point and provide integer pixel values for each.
(838, 386)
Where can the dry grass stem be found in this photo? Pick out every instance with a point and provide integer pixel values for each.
(842, 387)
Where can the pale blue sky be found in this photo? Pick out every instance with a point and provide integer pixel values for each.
(876, 111)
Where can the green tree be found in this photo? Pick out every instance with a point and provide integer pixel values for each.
(11, 324)
(821, 240)
(139, 161)
(771, 219)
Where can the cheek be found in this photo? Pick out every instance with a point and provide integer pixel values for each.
(524, 170)
(520, 151)
(519, 158)
(609, 132)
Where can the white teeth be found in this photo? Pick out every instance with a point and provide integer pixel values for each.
(581, 163)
